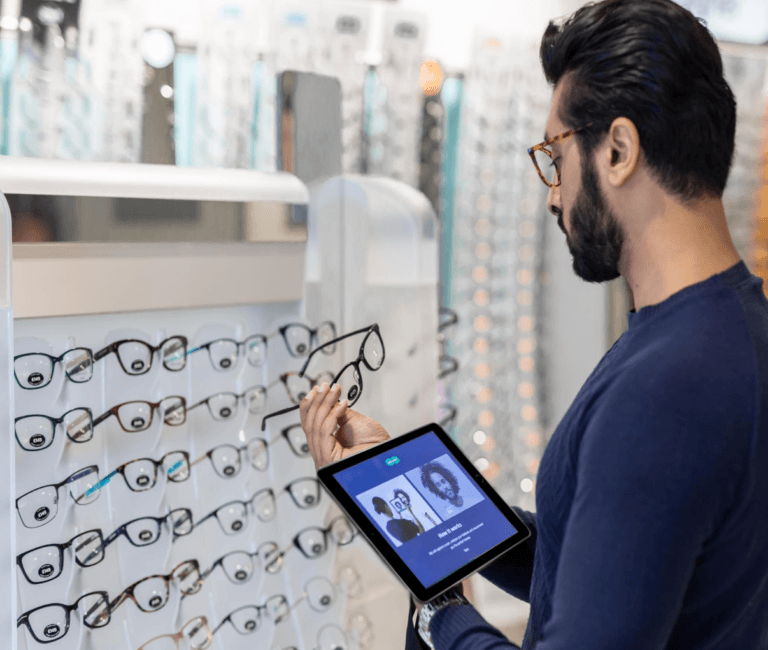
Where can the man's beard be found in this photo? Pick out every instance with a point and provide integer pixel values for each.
(596, 238)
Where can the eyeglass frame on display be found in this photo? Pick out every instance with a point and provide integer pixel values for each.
(258, 388)
(122, 530)
(54, 361)
(220, 562)
(127, 593)
(243, 449)
(244, 503)
(54, 423)
(450, 419)
(289, 489)
(155, 463)
(278, 559)
(238, 344)
(61, 548)
(453, 318)
(153, 406)
(312, 383)
(81, 473)
(68, 609)
(258, 608)
(452, 366)
(542, 146)
(113, 348)
(282, 331)
(354, 364)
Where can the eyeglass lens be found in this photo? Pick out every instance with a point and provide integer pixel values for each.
(225, 460)
(304, 492)
(51, 622)
(223, 353)
(546, 166)
(40, 506)
(246, 620)
(240, 566)
(297, 440)
(332, 637)
(258, 454)
(320, 594)
(277, 608)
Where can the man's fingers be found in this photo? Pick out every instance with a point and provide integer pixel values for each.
(320, 394)
(329, 424)
(329, 401)
(305, 404)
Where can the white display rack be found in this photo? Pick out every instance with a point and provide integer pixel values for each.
(68, 278)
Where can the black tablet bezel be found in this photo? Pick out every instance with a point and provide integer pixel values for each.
(352, 509)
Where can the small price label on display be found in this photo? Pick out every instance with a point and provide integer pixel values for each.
(45, 571)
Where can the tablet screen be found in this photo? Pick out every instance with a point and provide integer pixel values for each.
(427, 507)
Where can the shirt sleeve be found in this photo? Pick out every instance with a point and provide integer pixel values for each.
(513, 571)
(460, 627)
(658, 466)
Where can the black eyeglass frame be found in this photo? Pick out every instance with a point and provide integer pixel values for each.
(68, 609)
(54, 423)
(61, 548)
(54, 361)
(313, 336)
(371, 329)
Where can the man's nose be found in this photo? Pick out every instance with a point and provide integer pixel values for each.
(554, 204)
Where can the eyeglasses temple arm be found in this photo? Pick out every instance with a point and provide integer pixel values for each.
(104, 352)
(102, 417)
(276, 413)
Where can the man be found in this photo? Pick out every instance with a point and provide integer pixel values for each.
(650, 529)
(443, 484)
(402, 530)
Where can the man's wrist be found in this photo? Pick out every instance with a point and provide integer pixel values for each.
(428, 611)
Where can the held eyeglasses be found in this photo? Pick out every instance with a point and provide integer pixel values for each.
(371, 355)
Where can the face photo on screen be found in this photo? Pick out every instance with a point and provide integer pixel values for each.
(445, 486)
(398, 509)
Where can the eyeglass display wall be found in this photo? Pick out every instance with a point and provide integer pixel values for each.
(498, 272)
(152, 511)
(396, 97)
(82, 88)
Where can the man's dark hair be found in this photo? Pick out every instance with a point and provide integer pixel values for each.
(426, 478)
(655, 63)
(404, 493)
(379, 505)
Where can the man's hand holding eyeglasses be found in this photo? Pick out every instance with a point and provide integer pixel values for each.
(333, 430)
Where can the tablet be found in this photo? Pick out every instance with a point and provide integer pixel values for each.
(425, 509)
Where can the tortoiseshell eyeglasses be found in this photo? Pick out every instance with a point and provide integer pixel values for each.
(541, 157)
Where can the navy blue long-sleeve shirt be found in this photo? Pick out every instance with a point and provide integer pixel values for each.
(651, 530)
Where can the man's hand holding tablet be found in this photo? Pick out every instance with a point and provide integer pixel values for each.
(322, 414)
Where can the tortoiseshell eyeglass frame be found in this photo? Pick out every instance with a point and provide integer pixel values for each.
(543, 147)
